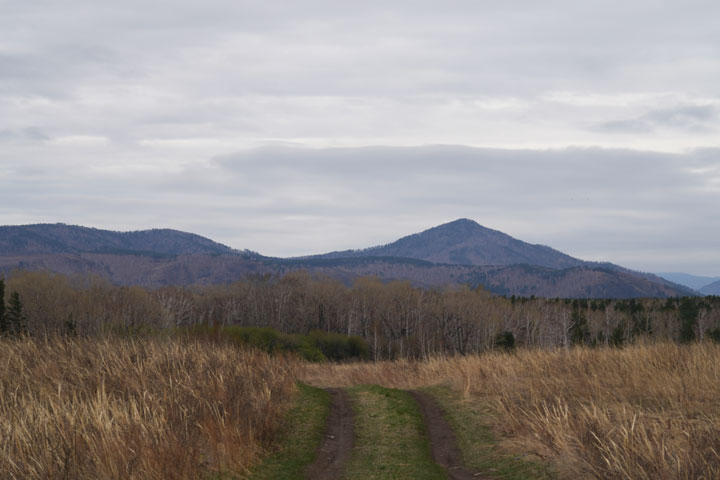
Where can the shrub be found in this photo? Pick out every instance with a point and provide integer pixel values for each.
(316, 346)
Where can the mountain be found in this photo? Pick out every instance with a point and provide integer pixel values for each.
(465, 242)
(450, 253)
(692, 281)
(60, 238)
(712, 289)
(521, 280)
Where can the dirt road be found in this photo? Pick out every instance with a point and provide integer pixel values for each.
(336, 449)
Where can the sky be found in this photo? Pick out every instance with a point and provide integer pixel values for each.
(292, 128)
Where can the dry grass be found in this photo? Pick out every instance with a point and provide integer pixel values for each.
(149, 409)
(644, 412)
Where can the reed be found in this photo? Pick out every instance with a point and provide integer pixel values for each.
(642, 412)
(136, 409)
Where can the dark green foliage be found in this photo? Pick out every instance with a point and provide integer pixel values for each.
(579, 330)
(505, 340)
(688, 312)
(669, 305)
(14, 316)
(316, 346)
(618, 335)
(272, 341)
(639, 320)
(714, 335)
(70, 327)
(601, 304)
(336, 346)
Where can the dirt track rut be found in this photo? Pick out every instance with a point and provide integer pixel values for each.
(336, 448)
(443, 444)
(334, 452)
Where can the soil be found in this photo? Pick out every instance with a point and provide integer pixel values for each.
(443, 444)
(334, 452)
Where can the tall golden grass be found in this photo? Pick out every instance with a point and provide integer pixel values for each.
(643, 412)
(144, 409)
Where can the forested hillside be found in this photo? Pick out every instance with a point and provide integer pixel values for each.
(17, 241)
(465, 242)
(460, 253)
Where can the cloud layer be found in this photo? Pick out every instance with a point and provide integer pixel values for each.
(596, 124)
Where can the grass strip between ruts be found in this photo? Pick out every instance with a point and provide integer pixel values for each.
(390, 437)
(302, 436)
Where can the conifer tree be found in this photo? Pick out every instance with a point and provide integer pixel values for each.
(3, 320)
(14, 316)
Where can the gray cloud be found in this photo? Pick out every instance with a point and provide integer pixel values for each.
(254, 122)
(647, 210)
(691, 118)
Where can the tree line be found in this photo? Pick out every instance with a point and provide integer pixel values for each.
(395, 318)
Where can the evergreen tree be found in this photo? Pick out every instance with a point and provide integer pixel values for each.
(688, 312)
(14, 316)
(579, 330)
(505, 340)
(3, 321)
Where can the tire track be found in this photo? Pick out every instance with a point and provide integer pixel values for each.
(334, 452)
(443, 444)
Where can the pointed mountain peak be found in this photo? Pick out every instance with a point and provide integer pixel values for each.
(462, 225)
(460, 221)
(466, 242)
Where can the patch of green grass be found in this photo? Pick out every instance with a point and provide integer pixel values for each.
(302, 436)
(479, 446)
(390, 438)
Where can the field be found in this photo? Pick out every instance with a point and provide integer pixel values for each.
(141, 409)
(643, 412)
(173, 408)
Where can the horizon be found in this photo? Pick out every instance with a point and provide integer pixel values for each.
(241, 249)
(292, 129)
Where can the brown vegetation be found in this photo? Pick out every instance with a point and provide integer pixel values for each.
(644, 412)
(136, 409)
(396, 319)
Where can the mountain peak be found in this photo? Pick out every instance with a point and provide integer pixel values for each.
(464, 226)
(466, 242)
(460, 221)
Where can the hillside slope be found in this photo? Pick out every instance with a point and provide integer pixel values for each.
(465, 242)
(712, 289)
(691, 281)
(519, 280)
(61, 238)
(155, 258)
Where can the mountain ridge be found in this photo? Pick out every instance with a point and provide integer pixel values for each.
(697, 282)
(711, 289)
(465, 242)
(166, 257)
(44, 238)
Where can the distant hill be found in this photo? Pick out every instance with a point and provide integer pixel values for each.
(519, 280)
(465, 242)
(458, 252)
(692, 281)
(61, 238)
(712, 289)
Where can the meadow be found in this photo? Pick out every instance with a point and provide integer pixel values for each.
(137, 409)
(181, 408)
(642, 412)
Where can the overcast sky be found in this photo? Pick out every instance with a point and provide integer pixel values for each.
(300, 127)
